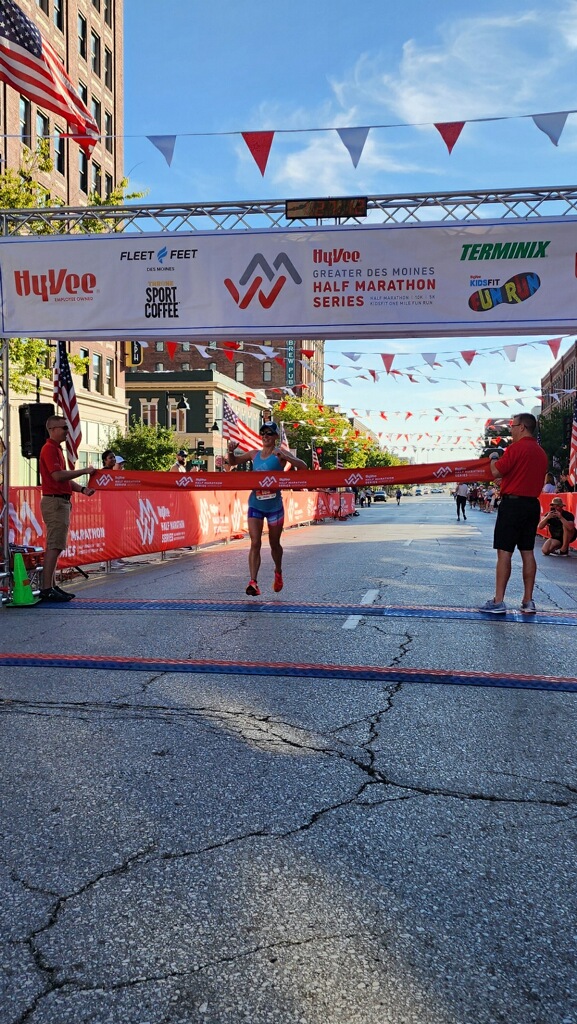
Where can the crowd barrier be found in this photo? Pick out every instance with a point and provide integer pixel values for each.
(112, 525)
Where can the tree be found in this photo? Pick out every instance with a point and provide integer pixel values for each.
(554, 437)
(308, 424)
(146, 448)
(30, 359)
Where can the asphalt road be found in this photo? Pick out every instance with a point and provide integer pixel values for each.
(221, 848)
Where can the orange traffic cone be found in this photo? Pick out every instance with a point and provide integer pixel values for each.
(22, 593)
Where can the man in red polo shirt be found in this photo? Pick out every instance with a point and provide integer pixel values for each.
(55, 505)
(522, 470)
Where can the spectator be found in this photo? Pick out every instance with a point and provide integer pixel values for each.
(561, 526)
(57, 483)
(180, 465)
(108, 459)
(549, 487)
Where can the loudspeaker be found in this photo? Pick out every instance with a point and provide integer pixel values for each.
(33, 427)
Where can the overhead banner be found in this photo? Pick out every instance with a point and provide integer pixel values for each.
(487, 278)
(466, 471)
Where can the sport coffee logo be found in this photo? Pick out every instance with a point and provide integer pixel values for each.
(516, 289)
(266, 299)
(50, 285)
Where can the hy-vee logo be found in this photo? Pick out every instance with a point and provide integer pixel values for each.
(48, 285)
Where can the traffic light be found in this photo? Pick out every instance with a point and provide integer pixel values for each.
(200, 448)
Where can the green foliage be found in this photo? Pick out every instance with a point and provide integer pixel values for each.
(146, 448)
(553, 435)
(309, 424)
(31, 359)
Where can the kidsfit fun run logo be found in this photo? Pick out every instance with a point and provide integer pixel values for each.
(254, 276)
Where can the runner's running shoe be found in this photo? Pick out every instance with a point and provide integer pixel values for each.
(278, 582)
(253, 589)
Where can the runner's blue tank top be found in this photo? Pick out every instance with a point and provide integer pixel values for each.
(264, 500)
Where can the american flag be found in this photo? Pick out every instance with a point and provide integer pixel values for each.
(65, 397)
(339, 463)
(30, 65)
(316, 463)
(283, 439)
(572, 474)
(234, 429)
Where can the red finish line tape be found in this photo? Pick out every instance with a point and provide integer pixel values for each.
(373, 673)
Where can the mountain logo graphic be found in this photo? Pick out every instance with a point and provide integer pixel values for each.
(146, 521)
(183, 481)
(354, 478)
(253, 277)
(267, 481)
(105, 479)
(443, 471)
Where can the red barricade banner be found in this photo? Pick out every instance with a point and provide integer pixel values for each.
(467, 471)
(107, 526)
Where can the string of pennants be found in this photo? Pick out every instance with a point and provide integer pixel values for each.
(259, 143)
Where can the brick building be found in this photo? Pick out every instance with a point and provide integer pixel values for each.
(88, 35)
(560, 378)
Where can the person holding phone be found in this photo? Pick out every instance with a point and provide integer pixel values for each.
(561, 526)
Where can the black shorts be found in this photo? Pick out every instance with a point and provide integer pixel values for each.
(517, 522)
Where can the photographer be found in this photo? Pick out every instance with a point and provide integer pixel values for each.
(561, 527)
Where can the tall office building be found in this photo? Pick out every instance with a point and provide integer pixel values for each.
(88, 37)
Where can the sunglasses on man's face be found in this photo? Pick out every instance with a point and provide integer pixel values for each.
(268, 433)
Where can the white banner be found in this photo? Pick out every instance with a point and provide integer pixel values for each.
(486, 278)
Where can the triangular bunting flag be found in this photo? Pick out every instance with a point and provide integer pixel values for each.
(165, 145)
(469, 356)
(355, 356)
(551, 124)
(429, 357)
(387, 360)
(449, 132)
(308, 352)
(354, 140)
(511, 352)
(171, 347)
(373, 374)
(259, 144)
(555, 344)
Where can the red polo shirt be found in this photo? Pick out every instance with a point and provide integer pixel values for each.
(52, 460)
(522, 468)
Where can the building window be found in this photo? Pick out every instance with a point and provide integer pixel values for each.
(239, 372)
(267, 372)
(58, 15)
(159, 346)
(95, 53)
(149, 411)
(108, 132)
(108, 68)
(212, 367)
(159, 367)
(110, 377)
(186, 346)
(96, 3)
(185, 366)
(43, 5)
(97, 111)
(97, 371)
(212, 343)
(83, 93)
(108, 12)
(181, 421)
(82, 36)
(96, 178)
(42, 126)
(25, 122)
(82, 171)
(59, 150)
(84, 354)
(109, 185)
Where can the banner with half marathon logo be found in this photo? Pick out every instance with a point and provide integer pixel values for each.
(421, 280)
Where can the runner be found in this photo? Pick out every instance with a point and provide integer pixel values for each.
(265, 504)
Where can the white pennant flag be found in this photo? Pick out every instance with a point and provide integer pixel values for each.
(165, 145)
(551, 124)
(354, 140)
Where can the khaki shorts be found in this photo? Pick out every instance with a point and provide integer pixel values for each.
(56, 515)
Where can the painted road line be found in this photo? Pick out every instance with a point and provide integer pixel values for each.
(367, 599)
(407, 542)
(561, 618)
(371, 673)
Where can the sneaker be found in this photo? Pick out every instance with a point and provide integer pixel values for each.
(494, 607)
(65, 593)
(278, 582)
(253, 589)
(528, 607)
(54, 595)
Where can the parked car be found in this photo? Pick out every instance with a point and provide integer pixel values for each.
(418, 492)
(437, 490)
(379, 496)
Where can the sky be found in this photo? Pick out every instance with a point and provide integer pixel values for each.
(208, 71)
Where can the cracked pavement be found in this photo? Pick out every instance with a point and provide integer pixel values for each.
(226, 848)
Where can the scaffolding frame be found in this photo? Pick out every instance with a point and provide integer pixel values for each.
(413, 208)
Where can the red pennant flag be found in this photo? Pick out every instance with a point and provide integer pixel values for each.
(281, 362)
(387, 360)
(171, 347)
(308, 352)
(408, 416)
(230, 357)
(282, 405)
(231, 344)
(383, 415)
(321, 408)
(469, 356)
(449, 132)
(259, 144)
(555, 345)
(373, 374)
(249, 397)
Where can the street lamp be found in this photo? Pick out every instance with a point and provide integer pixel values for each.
(182, 404)
(216, 429)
